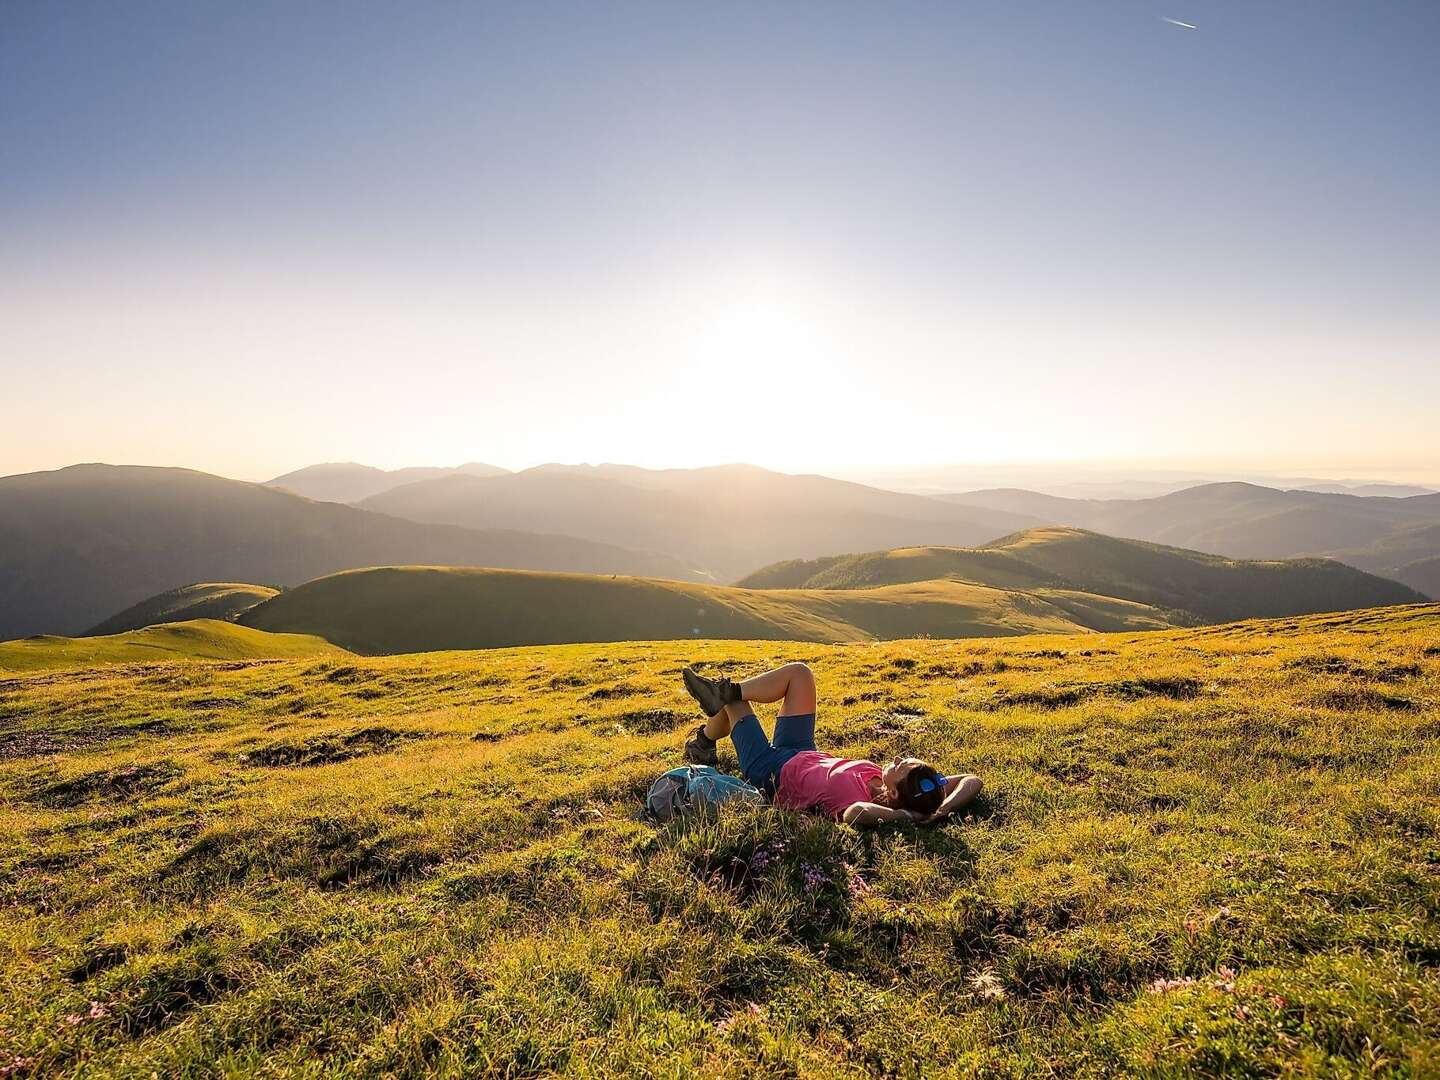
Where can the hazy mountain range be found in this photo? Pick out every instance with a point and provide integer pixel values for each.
(1397, 538)
(79, 545)
(1090, 481)
(347, 482)
(729, 519)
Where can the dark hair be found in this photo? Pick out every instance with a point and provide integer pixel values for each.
(918, 796)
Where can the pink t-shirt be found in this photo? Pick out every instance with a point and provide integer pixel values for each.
(811, 779)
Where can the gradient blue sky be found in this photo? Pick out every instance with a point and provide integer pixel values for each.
(248, 236)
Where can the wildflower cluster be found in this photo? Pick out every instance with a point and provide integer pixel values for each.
(97, 1012)
(1224, 981)
(751, 1009)
(767, 855)
(986, 985)
(815, 877)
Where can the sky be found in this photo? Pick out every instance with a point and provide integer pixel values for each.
(245, 237)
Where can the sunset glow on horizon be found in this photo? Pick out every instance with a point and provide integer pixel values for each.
(812, 239)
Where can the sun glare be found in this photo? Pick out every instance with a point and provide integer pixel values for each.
(765, 343)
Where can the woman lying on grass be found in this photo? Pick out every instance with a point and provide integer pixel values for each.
(796, 776)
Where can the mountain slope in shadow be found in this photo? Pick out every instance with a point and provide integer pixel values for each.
(79, 544)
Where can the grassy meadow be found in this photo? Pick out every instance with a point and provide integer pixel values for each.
(197, 639)
(1211, 850)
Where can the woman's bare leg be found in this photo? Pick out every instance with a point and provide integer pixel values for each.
(719, 725)
(793, 682)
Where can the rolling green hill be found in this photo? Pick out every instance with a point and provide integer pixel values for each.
(416, 608)
(79, 544)
(213, 600)
(1208, 587)
(199, 639)
(1202, 852)
(1040, 581)
(1380, 534)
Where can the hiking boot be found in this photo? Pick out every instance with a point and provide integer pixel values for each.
(700, 748)
(712, 694)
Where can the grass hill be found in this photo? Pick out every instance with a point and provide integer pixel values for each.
(1200, 852)
(1207, 587)
(214, 600)
(79, 544)
(1252, 522)
(730, 520)
(347, 482)
(198, 639)
(421, 608)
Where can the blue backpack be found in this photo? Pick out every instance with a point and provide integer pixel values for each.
(695, 787)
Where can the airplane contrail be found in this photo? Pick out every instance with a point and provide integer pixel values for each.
(1177, 22)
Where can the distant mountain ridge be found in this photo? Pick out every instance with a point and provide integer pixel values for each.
(79, 544)
(349, 482)
(729, 519)
(1395, 537)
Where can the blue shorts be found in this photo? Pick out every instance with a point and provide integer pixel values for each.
(761, 759)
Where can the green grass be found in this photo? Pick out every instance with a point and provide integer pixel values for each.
(1193, 586)
(210, 600)
(200, 639)
(419, 608)
(1209, 851)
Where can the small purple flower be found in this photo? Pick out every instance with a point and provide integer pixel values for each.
(815, 877)
(767, 855)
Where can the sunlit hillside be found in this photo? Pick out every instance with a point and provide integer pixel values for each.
(1387, 535)
(415, 608)
(1208, 587)
(1202, 851)
(198, 639)
(211, 600)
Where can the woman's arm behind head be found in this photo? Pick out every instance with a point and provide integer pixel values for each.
(959, 792)
(866, 815)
